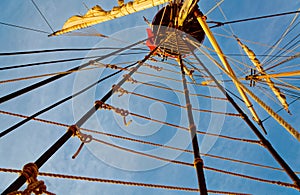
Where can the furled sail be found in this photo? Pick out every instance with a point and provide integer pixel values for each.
(97, 15)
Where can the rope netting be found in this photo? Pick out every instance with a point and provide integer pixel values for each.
(153, 67)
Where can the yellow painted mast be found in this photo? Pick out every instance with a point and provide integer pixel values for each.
(202, 20)
(268, 109)
(187, 7)
(280, 96)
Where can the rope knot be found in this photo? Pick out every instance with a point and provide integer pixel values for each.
(129, 78)
(74, 129)
(119, 89)
(198, 160)
(30, 172)
(123, 113)
(102, 105)
(157, 68)
(112, 66)
(84, 138)
(37, 187)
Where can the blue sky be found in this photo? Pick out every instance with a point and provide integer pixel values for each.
(28, 142)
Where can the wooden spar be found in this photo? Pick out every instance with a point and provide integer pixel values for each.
(201, 19)
(263, 140)
(275, 75)
(267, 108)
(97, 15)
(280, 96)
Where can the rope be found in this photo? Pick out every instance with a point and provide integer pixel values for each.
(123, 91)
(54, 78)
(284, 184)
(267, 108)
(141, 141)
(191, 165)
(175, 90)
(60, 102)
(173, 125)
(126, 113)
(144, 154)
(188, 164)
(297, 55)
(197, 161)
(30, 172)
(251, 19)
(64, 50)
(277, 43)
(252, 42)
(25, 28)
(35, 5)
(119, 182)
(43, 75)
(84, 138)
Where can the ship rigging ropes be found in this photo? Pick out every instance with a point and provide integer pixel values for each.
(122, 112)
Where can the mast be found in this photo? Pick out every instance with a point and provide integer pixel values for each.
(214, 43)
(263, 140)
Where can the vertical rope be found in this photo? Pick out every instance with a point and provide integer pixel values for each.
(198, 162)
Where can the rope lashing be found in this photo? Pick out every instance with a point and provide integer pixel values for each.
(30, 172)
(73, 129)
(84, 138)
(157, 68)
(119, 111)
(121, 90)
(153, 59)
(198, 160)
(111, 66)
(92, 62)
(129, 78)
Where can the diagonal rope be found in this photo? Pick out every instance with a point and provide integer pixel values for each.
(282, 36)
(173, 125)
(141, 141)
(35, 5)
(180, 106)
(12, 128)
(119, 182)
(23, 27)
(253, 18)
